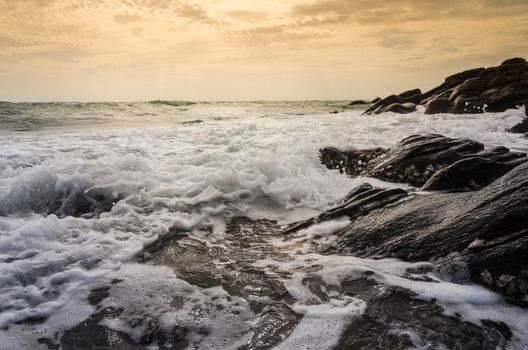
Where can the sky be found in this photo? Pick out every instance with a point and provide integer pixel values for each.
(136, 50)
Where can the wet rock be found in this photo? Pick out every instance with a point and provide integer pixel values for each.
(358, 102)
(351, 162)
(521, 128)
(362, 201)
(493, 89)
(196, 121)
(410, 93)
(396, 318)
(229, 265)
(90, 335)
(84, 203)
(484, 231)
(97, 295)
(274, 325)
(433, 161)
(189, 264)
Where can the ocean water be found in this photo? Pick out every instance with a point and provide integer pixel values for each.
(193, 166)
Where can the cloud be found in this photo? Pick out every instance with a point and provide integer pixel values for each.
(309, 38)
(396, 39)
(127, 18)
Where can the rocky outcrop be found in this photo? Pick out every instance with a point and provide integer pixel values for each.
(479, 235)
(493, 89)
(433, 162)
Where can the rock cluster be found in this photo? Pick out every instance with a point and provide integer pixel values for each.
(493, 89)
(434, 162)
(480, 235)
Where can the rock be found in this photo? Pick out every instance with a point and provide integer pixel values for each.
(402, 108)
(246, 241)
(274, 325)
(196, 121)
(90, 335)
(390, 308)
(383, 103)
(410, 93)
(469, 173)
(483, 231)
(97, 295)
(351, 162)
(359, 202)
(438, 105)
(358, 102)
(433, 161)
(376, 100)
(478, 90)
(521, 128)
(334, 112)
(514, 61)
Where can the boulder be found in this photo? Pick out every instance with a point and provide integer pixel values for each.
(478, 90)
(433, 161)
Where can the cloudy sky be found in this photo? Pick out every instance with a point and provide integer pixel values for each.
(247, 49)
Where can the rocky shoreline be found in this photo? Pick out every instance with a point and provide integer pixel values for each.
(477, 90)
(462, 218)
(470, 224)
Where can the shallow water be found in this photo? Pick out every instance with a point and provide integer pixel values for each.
(158, 172)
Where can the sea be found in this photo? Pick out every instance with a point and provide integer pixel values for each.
(195, 166)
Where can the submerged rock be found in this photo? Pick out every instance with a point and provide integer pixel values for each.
(432, 161)
(87, 203)
(246, 242)
(478, 90)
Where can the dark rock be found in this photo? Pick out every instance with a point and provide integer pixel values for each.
(410, 93)
(376, 100)
(246, 241)
(438, 105)
(90, 335)
(521, 128)
(402, 108)
(469, 173)
(478, 90)
(274, 325)
(196, 121)
(83, 203)
(358, 102)
(383, 103)
(359, 202)
(97, 295)
(351, 162)
(390, 308)
(438, 162)
(514, 61)
(334, 112)
(485, 230)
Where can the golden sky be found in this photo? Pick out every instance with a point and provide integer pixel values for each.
(247, 49)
